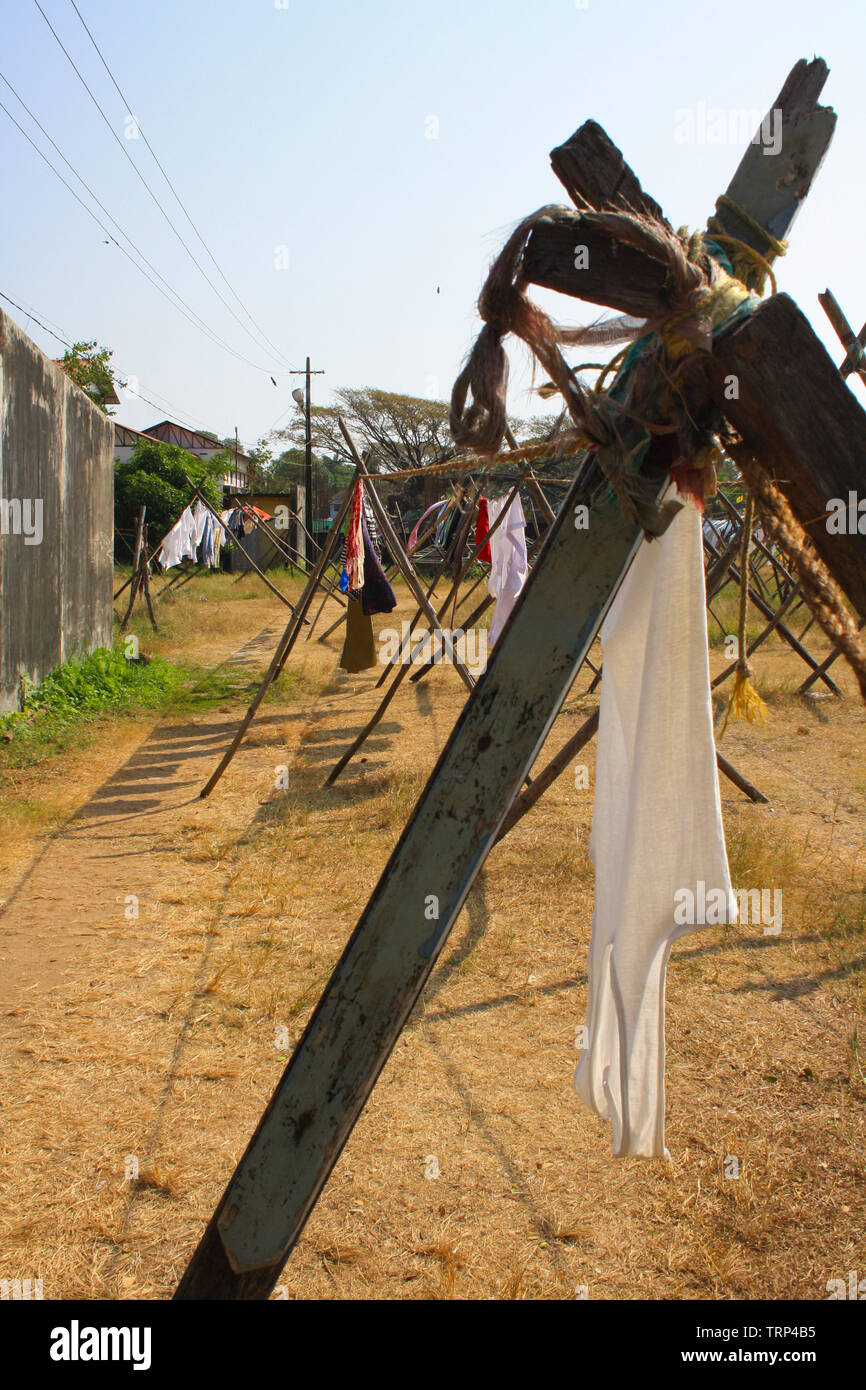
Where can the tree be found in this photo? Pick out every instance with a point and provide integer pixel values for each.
(154, 476)
(399, 431)
(87, 365)
(261, 462)
(329, 476)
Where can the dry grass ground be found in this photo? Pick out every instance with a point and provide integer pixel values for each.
(139, 1050)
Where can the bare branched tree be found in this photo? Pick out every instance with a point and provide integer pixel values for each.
(398, 431)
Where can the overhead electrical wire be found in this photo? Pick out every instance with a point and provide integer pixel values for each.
(139, 395)
(215, 337)
(143, 180)
(181, 204)
(211, 333)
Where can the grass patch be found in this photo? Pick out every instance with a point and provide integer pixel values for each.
(87, 690)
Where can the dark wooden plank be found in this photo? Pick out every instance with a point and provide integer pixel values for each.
(615, 274)
(802, 423)
(595, 175)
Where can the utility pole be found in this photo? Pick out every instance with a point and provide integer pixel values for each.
(307, 372)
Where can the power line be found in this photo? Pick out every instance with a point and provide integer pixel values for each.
(214, 337)
(139, 395)
(182, 206)
(141, 177)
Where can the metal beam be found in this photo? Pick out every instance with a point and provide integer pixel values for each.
(407, 921)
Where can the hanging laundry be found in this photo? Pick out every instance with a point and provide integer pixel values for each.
(221, 534)
(448, 526)
(354, 564)
(200, 516)
(207, 542)
(377, 596)
(508, 565)
(234, 520)
(482, 526)
(179, 544)
(372, 526)
(656, 829)
(416, 529)
(359, 648)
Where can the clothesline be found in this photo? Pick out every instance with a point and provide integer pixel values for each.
(545, 449)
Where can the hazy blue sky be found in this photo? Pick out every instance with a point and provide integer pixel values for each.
(301, 133)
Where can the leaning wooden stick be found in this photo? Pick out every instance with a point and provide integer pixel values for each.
(218, 519)
(284, 646)
(404, 564)
(136, 569)
(853, 343)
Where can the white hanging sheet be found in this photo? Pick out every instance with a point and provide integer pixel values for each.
(657, 826)
(179, 544)
(509, 566)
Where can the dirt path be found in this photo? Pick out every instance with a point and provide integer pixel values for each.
(137, 1053)
(92, 878)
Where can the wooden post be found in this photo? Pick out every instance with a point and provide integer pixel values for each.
(136, 568)
(853, 343)
(284, 646)
(281, 596)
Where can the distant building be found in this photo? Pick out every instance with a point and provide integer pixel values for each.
(125, 441)
(204, 446)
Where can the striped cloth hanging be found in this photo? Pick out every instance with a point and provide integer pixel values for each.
(355, 540)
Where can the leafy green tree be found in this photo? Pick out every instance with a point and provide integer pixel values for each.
(261, 462)
(89, 367)
(329, 476)
(155, 476)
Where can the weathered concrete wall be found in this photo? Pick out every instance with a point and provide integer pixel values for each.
(56, 516)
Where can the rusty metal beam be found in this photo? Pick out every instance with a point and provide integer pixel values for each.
(396, 943)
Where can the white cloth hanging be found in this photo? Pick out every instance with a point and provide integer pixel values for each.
(509, 566)
(179, 544)
(200, 516)
(656, 830)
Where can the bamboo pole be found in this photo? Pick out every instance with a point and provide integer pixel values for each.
(283, 648)
(136, 568)
(281, 596)
(404, 564)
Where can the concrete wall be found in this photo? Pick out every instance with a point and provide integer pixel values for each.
(57, 458)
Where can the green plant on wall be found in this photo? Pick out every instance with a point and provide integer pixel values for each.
(88, 365)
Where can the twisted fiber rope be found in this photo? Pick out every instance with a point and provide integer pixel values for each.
(565, 443)
(478, 400)
(820, 590)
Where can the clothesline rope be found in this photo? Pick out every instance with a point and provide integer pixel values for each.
(573, 440)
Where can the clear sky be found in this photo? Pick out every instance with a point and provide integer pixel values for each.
(354, 167)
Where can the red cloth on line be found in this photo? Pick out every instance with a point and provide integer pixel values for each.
(482, 526)
(355, 540)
